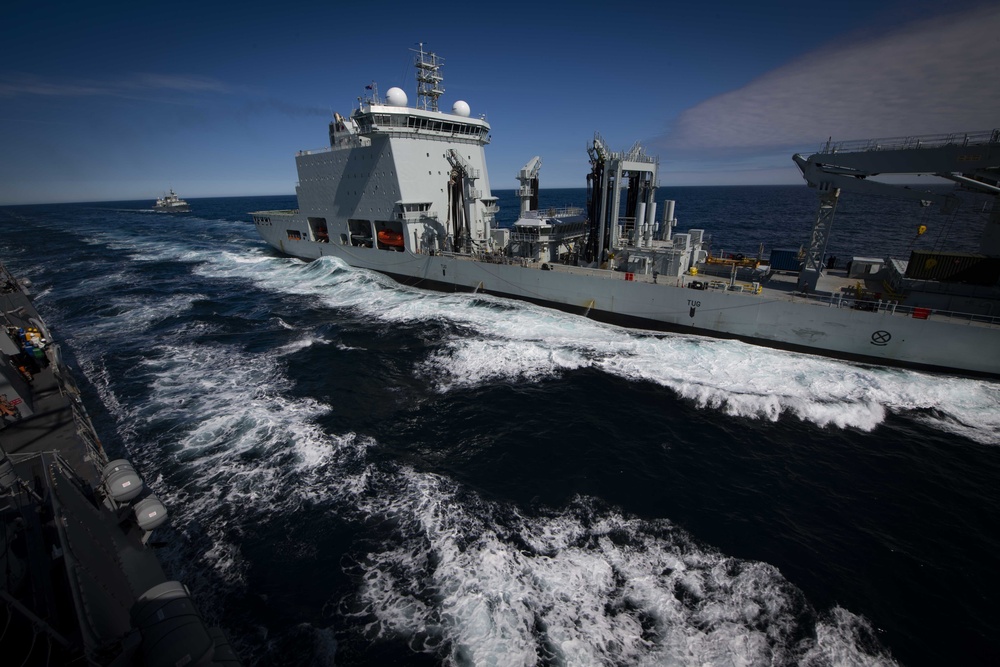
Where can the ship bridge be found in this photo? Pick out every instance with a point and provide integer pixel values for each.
(392, 116)
(417, 123)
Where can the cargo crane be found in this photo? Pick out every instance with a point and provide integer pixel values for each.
(528, 192)
(971, 160)
(468, 227)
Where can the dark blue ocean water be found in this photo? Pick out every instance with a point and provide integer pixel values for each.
(363, 474)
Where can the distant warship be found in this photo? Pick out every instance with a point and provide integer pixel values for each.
(171, 203)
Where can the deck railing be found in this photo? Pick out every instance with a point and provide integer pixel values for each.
(884, 306)
(906, 143)
(890, 307)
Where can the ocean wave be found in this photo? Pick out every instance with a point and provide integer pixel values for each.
(503, 341)
(454, 575)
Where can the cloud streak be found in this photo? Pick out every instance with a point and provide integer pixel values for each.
(931, 76)
(28, 85)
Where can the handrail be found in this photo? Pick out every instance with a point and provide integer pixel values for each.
(895, 308)
(912, 142)
(885, 306)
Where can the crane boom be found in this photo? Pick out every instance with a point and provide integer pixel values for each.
(971, 159)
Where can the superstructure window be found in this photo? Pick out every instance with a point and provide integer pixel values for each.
(436, 126)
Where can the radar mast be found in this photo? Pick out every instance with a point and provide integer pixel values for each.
(428, 79)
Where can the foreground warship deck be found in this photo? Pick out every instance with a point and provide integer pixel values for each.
(82, 583)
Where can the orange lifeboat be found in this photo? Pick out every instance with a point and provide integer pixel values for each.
(390, 238)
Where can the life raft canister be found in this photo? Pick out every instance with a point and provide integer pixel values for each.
(389, 237)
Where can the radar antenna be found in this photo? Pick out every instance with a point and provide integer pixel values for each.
(428, 79)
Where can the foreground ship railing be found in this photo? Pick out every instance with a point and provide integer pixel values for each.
(921, 141)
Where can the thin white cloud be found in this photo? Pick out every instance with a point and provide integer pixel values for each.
(933, 76)
(191, 84)
(146, 86)
(28, 85)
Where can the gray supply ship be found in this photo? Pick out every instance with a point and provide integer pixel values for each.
(404, 191)
(82, 583)
(171, 203)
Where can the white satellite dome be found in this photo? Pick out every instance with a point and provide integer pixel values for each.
(460, 108)
(395, 97)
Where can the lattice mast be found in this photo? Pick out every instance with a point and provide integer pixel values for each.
(429, 79)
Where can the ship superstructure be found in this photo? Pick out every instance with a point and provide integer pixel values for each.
(405, 191)
(396, 177)
(171, 203)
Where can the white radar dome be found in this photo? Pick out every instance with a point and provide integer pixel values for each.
(460, 108)
(395, 97)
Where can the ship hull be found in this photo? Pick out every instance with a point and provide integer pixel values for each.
(827, 329)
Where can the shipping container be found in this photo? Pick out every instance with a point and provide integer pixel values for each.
(954, 267)
(786, 259)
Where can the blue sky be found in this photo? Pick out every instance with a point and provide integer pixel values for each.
(119, 101)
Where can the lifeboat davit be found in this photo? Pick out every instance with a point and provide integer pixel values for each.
(390, 238)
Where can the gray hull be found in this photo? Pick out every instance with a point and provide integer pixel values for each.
(771, 319)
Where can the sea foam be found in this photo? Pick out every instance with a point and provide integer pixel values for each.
(460, 577)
